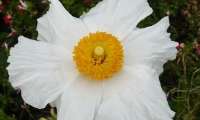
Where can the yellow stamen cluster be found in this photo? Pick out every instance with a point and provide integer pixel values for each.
(98, 55)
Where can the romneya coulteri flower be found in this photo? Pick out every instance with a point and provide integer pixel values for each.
(96, 67)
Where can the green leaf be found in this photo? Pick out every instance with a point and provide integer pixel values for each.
(68, 2)
(3, 100)
(4, 117)
(4, 82)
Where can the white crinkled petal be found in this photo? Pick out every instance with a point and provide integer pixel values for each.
(118, 17)
(59, 27)
(150, 46)
(134, 94)
(114, 109)
(41, 70)
(80, 101)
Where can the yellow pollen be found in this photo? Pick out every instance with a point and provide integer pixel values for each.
(98, 55)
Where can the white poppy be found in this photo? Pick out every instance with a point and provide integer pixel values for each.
(98, 66)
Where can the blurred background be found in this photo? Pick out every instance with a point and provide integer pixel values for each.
(180, 79)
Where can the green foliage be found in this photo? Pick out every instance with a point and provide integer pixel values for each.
(69, 2)
(180, 79)
(3, 116)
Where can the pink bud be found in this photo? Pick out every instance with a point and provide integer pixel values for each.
(1, 5)
(167, 95)
(17, 89)
(7, 18)
(22, 7)
(168, 13)
(197, 45)
(5, 45)
(23, 4)
(23, 105)
(180, 45)
(12, 33)
(44, 1)
(88, 1)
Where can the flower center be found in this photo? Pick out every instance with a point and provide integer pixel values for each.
(98, 55)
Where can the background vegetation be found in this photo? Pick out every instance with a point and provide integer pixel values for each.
(180, 79)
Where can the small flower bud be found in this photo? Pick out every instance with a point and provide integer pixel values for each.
(1, 4)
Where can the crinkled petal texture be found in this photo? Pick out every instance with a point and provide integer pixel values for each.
(57, 26)
(150, 46)
(118, 17)
(134, 94)
(81, 100)
(41, 70)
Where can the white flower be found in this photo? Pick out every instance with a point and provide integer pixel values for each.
(121, 83)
